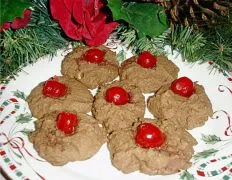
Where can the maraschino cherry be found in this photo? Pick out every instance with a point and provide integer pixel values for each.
(94, 55)
(54, 89)
(117, 95)
(67, 122)
(183, 86)
(146, 60)
(149, 136)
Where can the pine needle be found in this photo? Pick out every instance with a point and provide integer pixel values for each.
(187, 42)
(130, 39)
(24, 46)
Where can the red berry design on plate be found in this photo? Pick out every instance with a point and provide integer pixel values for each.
(149, 136)
(183, 86)
(146, 60)
(67, 122)
(54, 89)
(117, 95)
(94, 55)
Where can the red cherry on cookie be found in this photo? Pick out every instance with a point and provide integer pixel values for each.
(183, 86)
(117, 95)
(94, 55)
(149, 136)
(146, 60)
(54, 89)
(67, 122)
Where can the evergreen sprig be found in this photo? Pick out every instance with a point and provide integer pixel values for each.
(187, 42)
(129, 38)
(24, 46)
(218, 48)
(213, 45)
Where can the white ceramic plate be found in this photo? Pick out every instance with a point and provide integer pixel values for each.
(19, 160)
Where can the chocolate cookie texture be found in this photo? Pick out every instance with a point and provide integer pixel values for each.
(186, 112)
(116, 117)
(58, 148)
(91, 72)
(77, 98)
(172, 156)
(148, 79)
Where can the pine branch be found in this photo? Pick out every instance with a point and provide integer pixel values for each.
(22, 47)
(129, 38)
(219, 47)
(187, 42)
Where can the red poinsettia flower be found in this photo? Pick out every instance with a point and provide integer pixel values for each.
(83, 20)
(18, 22)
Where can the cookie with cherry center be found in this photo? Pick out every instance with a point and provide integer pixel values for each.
(148, 72)
(59, 93)
(93, 66)
(183, 102)
(118, 106)
(153, 147)
(62, 137)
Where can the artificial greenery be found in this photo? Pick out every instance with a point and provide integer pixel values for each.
(24, 46)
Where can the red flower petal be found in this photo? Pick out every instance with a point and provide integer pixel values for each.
(103, 30)
(62, 14)
(102, 34)
(21, 22)
(90, 6)
(89, 30)
(5, 26)
(81, 19)
(59, 10)
(69, 5)
(78, 11)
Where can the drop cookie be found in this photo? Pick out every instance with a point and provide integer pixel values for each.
(183, 102)
(93, 66)
(65, 137)
(118, 106)
(148, 72)
(151, 147)
(59, 94)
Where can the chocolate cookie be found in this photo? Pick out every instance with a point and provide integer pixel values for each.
(170, 157)
(59, 148)
(186, 112)
(93, 68)
(122, 113)
(148, 79)
(59, 94)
